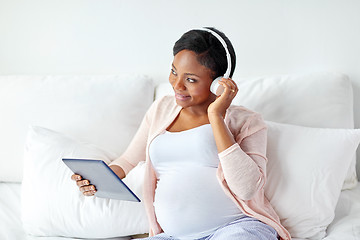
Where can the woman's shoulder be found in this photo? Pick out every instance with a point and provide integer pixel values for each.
(236, 111)
(244, 119)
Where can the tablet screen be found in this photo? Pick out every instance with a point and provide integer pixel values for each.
(107, 183)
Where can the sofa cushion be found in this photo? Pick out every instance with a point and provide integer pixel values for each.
(104, 110)
(322, 100)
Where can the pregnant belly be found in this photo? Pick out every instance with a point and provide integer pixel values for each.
(191, 204)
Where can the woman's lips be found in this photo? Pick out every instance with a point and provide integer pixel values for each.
(181, 97)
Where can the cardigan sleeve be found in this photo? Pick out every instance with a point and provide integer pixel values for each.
(136, 151)
(244, 163)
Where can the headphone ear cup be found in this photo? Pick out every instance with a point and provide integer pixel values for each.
(215, 87)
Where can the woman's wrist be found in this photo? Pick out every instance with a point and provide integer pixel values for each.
(223, 137)
(213, 116)
(118, 171)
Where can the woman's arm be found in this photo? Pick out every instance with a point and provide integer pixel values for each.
(244, 165)
(223, 137)
(136, 151)
(243, 160)
(118, 171)
(216, 113)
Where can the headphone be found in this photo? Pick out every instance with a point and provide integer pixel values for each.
(214, 88)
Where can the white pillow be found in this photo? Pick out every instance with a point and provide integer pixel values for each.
(52, 204)
(305, 172)
(102, 109)
(321, 100)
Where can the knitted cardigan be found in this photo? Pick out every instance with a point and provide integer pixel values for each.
(241, 171)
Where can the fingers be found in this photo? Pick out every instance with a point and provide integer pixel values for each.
(84, 185)
(89, 193)
(88, 190)
(230, 86)
(76, 177)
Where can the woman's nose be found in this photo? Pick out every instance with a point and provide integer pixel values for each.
(179, 85)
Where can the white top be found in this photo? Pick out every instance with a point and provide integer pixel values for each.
(189, 201)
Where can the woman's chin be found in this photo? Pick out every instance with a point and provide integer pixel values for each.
(181, 103)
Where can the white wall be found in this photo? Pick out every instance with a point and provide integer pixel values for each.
(116, 36)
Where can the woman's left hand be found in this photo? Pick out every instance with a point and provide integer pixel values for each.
(222, 102)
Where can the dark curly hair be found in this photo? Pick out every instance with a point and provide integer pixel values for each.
(209, 49)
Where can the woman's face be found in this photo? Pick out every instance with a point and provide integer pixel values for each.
(191, 81)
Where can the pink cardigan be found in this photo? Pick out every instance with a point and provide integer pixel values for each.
(242, 168)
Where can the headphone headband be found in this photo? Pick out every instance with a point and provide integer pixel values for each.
(222, 41)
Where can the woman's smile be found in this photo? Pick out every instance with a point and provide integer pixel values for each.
(181, 97)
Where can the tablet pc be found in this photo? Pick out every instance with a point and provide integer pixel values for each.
(107, 183)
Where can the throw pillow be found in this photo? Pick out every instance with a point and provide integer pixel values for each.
(305, 172)
(52, 204)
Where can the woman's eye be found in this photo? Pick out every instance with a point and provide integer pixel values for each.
(191, 80)
(173, 72)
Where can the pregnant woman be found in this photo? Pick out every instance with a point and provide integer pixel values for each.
(205, 158)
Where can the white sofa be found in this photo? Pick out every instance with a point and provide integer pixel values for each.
(312, 179)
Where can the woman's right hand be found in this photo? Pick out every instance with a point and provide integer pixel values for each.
(84, 185)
